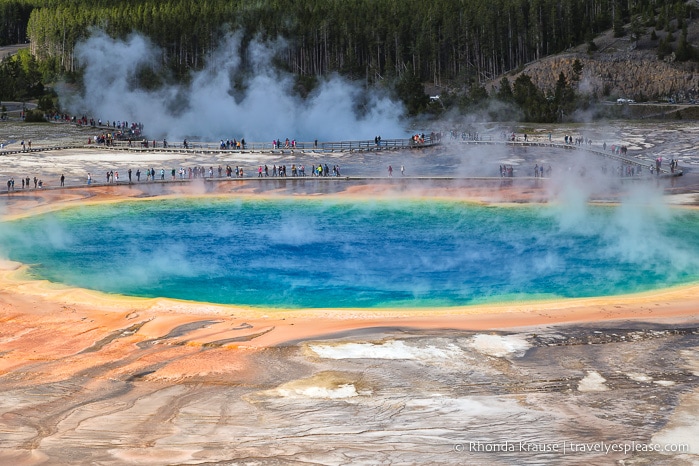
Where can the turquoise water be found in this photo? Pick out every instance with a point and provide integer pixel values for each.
(313, 253)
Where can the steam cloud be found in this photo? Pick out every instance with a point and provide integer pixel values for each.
(210, 107)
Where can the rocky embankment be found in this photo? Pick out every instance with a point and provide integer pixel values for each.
(625, 68)
(633, 74)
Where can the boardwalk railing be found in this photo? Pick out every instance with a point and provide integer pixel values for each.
(215, 147)
(204, 146)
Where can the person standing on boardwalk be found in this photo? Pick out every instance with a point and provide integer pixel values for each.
(63, 179)
(390, 170)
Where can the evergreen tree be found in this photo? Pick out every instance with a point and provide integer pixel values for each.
(684, 51)
(477, 94)
(618, 21)
(577, 69)
(529, 98)
(564, 99)
(637, 29)
(664, 47)
(504, 92)
(412, 93)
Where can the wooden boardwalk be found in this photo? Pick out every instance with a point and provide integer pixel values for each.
(624, 159)
(261, 147)
(197, 147)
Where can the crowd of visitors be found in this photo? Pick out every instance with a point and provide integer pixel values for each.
(150, 174)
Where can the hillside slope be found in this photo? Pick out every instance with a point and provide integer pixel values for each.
(623, 68)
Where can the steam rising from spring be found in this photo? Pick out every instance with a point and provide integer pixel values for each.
(351, 254)
(211, 107)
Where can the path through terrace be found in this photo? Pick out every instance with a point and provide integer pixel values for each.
(315, 147)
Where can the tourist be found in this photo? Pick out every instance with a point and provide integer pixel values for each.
(63, 179)
(390, 170)
(89, 179)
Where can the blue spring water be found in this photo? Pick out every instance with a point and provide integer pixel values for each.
(320, 253)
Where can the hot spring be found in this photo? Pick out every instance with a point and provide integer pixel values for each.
(343, 253)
